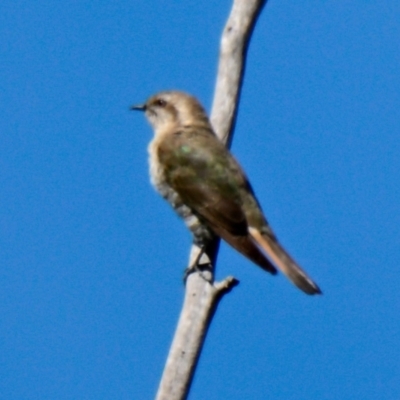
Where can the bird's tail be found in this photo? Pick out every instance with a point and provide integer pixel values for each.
(281, 259)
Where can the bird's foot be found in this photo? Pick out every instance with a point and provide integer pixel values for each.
(195, 266)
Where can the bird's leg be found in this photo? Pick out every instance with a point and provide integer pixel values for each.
(195, 265)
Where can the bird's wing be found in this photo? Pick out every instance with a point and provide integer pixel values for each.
(208, 180)
(203, 172)
(223, 216)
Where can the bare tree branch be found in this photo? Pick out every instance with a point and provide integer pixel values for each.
(234, 43)
(202, 294)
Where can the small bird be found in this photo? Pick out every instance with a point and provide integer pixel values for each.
(193, 170)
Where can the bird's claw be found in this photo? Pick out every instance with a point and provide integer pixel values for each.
(195, 266)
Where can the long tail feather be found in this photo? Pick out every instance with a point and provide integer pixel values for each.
(281, 259)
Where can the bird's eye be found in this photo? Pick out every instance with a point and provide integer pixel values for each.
(160, 103)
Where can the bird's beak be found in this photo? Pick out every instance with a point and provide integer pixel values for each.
(138, 107)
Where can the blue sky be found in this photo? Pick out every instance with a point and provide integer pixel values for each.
(92, 258)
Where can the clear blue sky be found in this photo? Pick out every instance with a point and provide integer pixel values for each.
(91, 258)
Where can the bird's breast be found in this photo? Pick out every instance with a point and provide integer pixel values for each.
(157, 172)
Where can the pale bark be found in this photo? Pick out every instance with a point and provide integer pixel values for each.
(202, 294)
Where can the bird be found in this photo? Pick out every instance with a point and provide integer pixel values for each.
(204, 183)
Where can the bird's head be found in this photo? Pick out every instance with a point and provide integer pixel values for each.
(167, 111)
